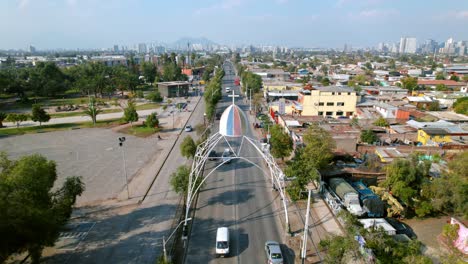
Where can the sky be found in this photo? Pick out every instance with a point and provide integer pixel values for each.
(71, 24)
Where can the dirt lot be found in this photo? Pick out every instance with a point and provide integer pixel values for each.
(427, 231)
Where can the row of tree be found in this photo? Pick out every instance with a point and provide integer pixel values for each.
(38, 115)
(94, 78)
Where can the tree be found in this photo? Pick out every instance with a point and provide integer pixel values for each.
(381, 122)
(149, 71)
(188, 147)
(441, 87)
(325, 81)
(465, 78)
(17, 118)
(281, 143)
(39, 115)
(180, 180)
(454, 78)
(434, 106)
(130, 113)
(368, 136)
(155, 97)
(410, 83)
(33, 212)
(92, 110)
(448, 192)
(440, 76)
(319, 145)
(461, 105)
(3, 116)
(354, 122)
(152, 121)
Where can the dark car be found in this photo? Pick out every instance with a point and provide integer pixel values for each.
(401, 228)
(212, 155)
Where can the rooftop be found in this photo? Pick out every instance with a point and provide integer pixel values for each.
(344, 89)
(436, 82)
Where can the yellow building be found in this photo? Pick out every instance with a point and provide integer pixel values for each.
(334, 101)
(433, 136)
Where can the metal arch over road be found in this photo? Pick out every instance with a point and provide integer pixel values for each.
(201, 156)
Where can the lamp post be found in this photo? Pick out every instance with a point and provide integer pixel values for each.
(309, 187)
(121, 141)
(204, 119)
(165, 241)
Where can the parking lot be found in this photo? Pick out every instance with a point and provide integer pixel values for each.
(93, 154)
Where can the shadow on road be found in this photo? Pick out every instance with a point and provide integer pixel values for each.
(120, 237)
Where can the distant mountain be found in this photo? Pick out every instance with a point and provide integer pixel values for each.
(182, 42)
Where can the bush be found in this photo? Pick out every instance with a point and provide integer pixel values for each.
(155, 97)
(152, 121)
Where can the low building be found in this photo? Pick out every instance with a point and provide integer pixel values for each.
(432, 84)
(437, 133)
(174, 89)
(419, 101)
(390, 111)
(332, 101)
(111, 60)
(272, 74)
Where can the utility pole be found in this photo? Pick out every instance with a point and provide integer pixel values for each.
(250, 101)
(121, 141)
(309, 186)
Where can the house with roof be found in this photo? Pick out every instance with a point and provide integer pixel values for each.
(437, 133)
(390, 111)
(432, 84)
(421, 102)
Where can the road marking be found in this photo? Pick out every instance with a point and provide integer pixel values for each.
(71, 239)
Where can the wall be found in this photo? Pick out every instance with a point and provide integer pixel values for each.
(425, 139)
(311, 103)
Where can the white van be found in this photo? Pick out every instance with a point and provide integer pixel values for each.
(222, 241)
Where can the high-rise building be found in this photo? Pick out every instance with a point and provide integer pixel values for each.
(407, 45)
(32, 49)
(142, 48)
(116, 48)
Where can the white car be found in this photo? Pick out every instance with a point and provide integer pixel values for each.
(273, 252)
(188, 128)
(228, 89)
(227, 156)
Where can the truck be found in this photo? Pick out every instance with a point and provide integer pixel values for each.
(348, 195)
(371, 203)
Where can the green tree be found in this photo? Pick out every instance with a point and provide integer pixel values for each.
(440, 76)
(441, 87)
(354, 122)
(281, 143)
(152, 121)
(410, 83)
(155, 97)
(319, 146)
(461, 105)
(150, 71)
(188, 148)
(325, 81)
(92, 110)
(39, 114)
(454, 78)
(17, 118)
(3, 116)
(180, 180)
(33, 212)
(130, 113)
(434, 106)
(368, 136)
(381, 122)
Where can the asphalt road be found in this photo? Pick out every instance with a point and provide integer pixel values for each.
(239, 196)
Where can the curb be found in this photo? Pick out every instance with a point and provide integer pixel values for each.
(170, 151)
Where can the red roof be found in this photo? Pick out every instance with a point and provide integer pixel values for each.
(436, 82)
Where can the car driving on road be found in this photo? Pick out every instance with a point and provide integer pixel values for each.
(273, 252)
(188, 128)
(227, 156)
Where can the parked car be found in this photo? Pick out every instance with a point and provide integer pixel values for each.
(228, 89)
(188, 128)
(273, 252)
(227, 156)
(401, 228)
(212, 155)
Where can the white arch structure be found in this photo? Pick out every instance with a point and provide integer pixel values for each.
(197, 174)
(232, 125)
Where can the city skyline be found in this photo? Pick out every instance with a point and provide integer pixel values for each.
(90, 24)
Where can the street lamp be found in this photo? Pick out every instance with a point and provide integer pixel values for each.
(204, 119)
(165, 241)
(121, 141)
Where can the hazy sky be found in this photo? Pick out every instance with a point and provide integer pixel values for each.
(308, 23)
